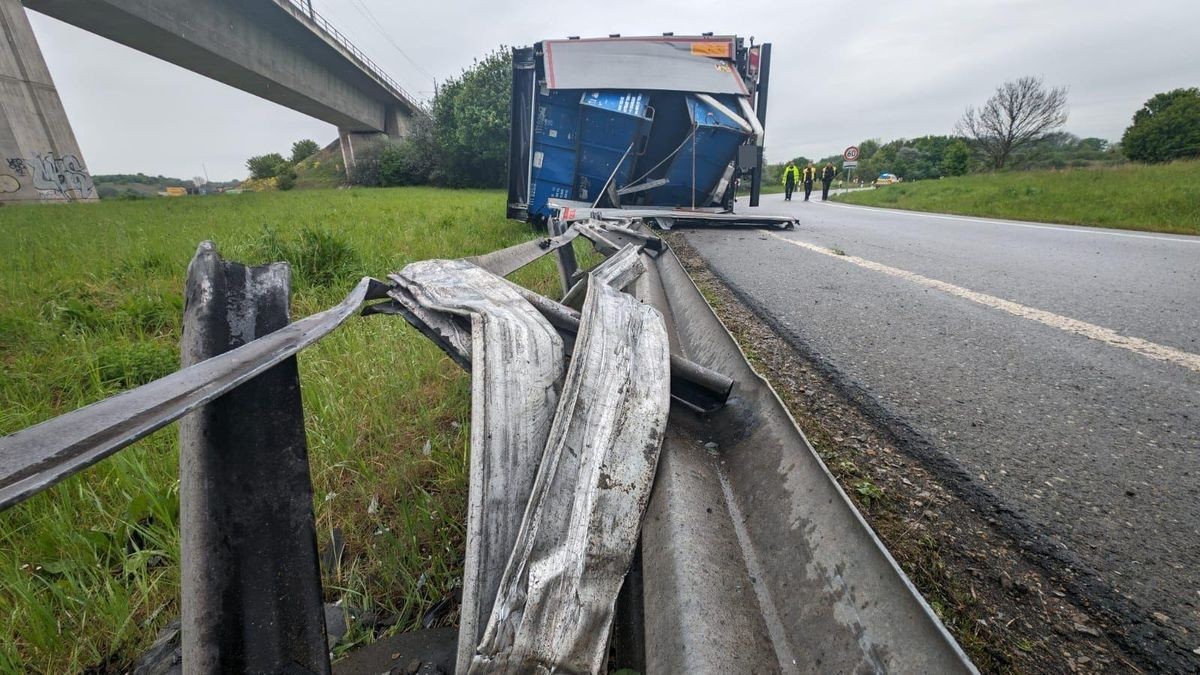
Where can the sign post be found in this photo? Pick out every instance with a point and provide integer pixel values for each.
(849, 162)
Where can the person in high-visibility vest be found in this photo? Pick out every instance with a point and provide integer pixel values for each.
(827, 175)
(791, 176)
(809, 175)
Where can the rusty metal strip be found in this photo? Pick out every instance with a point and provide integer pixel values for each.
(516, 371)
(555, 604)
(36, 458)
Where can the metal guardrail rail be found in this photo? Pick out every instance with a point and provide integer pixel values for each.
(754, 558)
(302, 9)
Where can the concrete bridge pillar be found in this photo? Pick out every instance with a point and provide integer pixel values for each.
(397, 123)
(40, 159)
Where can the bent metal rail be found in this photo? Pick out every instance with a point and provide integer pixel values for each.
(740, 585)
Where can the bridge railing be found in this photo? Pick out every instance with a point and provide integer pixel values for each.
(303, 9)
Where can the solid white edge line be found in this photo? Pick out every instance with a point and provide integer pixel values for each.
(1091, 331)
(1077, 229)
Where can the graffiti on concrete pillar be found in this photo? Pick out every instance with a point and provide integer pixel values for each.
(58, 177)
(17, 164)
(9, 184)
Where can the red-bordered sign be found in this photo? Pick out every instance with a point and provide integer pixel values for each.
(850, 154)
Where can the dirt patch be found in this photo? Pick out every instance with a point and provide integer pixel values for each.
(1011, 614)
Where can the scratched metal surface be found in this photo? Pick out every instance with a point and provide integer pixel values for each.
(516, 373)
(618, 271)
(555, 605)
(753, 557)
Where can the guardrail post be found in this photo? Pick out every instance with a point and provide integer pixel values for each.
(251, 587)
(568, 268)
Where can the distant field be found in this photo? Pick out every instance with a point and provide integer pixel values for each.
(90, 303)
(1155, 198)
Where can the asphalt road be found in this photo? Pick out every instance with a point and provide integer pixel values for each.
(1058, 367)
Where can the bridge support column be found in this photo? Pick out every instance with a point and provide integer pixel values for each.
(397, 124)
(40, 159)
(354, 144)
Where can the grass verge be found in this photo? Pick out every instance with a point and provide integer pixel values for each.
(1153, 198)
(90, 304)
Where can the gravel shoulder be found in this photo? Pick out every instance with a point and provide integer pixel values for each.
(1014, 604)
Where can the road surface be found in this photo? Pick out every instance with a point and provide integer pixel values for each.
(1057, 366)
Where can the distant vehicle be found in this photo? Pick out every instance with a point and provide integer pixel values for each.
(887, 179)
(175, 192)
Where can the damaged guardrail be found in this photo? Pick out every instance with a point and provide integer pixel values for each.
(606, 438)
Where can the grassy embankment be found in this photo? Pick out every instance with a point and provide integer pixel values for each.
(90, 304)
(1154, 198)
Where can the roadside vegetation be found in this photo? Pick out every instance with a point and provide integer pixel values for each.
(90, 305)
(1154, 198)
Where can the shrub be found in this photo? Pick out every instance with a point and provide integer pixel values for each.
(413, 160)
(286, 181)
(304, 149)
(267, 166)
(365, 171)
(471, 114)
(1167, 127)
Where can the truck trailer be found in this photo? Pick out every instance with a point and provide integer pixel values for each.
(664, 122)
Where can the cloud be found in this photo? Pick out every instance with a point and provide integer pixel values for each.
(841, 72)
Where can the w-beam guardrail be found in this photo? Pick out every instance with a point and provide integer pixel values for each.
(743, 554)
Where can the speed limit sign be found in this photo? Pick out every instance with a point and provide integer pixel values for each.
(850, 154)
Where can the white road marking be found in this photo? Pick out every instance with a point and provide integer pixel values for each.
(1080, 229)
(1088, 330)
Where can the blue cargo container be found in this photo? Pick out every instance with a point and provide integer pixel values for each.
(661, 121)
(581, 139)
(700, 163)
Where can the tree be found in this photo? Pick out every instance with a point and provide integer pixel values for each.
(1020, 112)
(304, 149)
(413, 160)
(956, 159)
(471, 117)
(1167, 127)
(267, 166)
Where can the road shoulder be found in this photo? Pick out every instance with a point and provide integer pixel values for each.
(1009, 613)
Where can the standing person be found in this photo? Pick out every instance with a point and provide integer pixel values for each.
(810, 175)
(791, 176)
(827, 175)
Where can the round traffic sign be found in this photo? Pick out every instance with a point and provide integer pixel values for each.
(850, 154)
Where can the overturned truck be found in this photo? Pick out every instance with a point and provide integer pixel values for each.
(666, 122)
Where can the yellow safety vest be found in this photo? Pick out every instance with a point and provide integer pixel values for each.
(810, 173)
(794, 171)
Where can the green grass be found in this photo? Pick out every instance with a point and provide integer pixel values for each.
(90, 304)
(1154, 198)
(323, 170)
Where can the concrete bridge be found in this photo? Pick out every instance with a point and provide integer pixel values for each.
(279, 50)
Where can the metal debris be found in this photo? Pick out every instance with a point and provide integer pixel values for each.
(555, 604)
(516, 371)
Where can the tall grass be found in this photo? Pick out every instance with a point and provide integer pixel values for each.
(1155, 198)
(90, 304)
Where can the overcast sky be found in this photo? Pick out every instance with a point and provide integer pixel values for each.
(841, 72)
